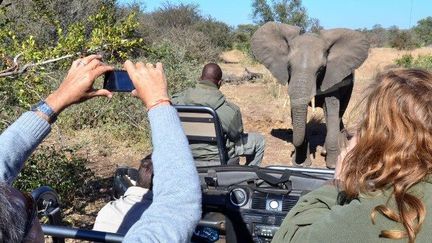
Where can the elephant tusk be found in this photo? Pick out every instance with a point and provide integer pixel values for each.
(313, 104)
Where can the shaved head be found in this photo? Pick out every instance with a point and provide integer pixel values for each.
(212, 72)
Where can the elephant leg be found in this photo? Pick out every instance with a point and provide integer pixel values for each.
(323, 150)
(345, 96)
(333, 130)
(301, 156)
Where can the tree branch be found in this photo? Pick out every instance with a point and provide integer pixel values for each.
(16, 70)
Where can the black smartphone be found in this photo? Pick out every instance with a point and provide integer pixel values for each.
(118, 81)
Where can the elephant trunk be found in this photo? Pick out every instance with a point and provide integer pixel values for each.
(299, 116)
(301, 90)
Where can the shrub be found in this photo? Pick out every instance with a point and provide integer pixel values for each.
(101, 32)
(423, 30)
(403, 40)
(408, 61)
(184, 28)
(242, 36)
(405, 61)
(192, 45)
(123, 116)
(176, 16)
(60, 169)
(219, 33)
(181, 68)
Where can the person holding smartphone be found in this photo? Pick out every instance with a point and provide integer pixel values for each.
(176, 207)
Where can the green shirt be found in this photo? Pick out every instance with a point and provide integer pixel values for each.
(206, 93)
(318, 218)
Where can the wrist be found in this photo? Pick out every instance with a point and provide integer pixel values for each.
(159, 102)
(44, 111)
(56, 102)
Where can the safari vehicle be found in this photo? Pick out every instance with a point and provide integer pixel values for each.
(239, 203)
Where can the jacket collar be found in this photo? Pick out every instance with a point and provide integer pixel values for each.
(208, 83)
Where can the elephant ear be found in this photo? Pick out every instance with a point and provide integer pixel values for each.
(270, 46)
(347, 51)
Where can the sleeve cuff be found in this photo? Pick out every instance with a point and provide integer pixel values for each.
(31, 123)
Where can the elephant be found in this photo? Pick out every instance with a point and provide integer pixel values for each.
(314, 65)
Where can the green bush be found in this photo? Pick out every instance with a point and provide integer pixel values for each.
(60, 169)
(188, 43)
(403, 40)
(219, 33)
(182, 70)
(99, 32)
(242, 37)
(405, 61)
(124, 117)
(424, 62)
(185, 29)
(408, 61)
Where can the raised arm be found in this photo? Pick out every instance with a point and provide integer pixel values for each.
(176, 207)
(17, 143)
(19, 140)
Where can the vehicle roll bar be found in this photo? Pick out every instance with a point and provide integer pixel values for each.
(81, 234)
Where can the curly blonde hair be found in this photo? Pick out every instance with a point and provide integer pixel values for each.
(394, 148)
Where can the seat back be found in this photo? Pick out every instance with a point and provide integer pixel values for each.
(201, 124)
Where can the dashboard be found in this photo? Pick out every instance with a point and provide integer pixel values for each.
(243, 203)
(248, 204)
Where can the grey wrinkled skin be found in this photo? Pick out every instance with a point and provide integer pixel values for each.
(313, 65)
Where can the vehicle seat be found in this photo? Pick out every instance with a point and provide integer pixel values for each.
(201, 124)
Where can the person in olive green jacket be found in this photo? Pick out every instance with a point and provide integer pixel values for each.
(207, 93)
(382, 190)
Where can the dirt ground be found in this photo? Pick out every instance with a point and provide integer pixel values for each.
(265, 109)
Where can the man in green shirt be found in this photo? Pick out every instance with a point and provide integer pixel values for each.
(207, 93)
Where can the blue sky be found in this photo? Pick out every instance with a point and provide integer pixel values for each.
(331, 13)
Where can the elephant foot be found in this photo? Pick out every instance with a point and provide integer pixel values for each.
(306, 163)
(331, 159)
(301, 158)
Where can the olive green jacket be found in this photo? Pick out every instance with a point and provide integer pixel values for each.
(206, 93)
(318, 218)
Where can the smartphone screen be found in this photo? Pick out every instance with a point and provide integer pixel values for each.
(118, 81)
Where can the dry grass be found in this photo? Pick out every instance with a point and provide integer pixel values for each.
(382, 58)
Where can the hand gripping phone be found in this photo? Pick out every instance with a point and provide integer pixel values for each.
(118, 81)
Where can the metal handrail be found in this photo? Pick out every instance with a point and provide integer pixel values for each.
(80, 234)
(300, 169)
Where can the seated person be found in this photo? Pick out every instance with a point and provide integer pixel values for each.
(171, 196)
(382, 191)
(207, 93)
(119, 215)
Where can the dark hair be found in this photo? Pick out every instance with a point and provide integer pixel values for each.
(212, 72)
(145, 173)
(13, 217)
